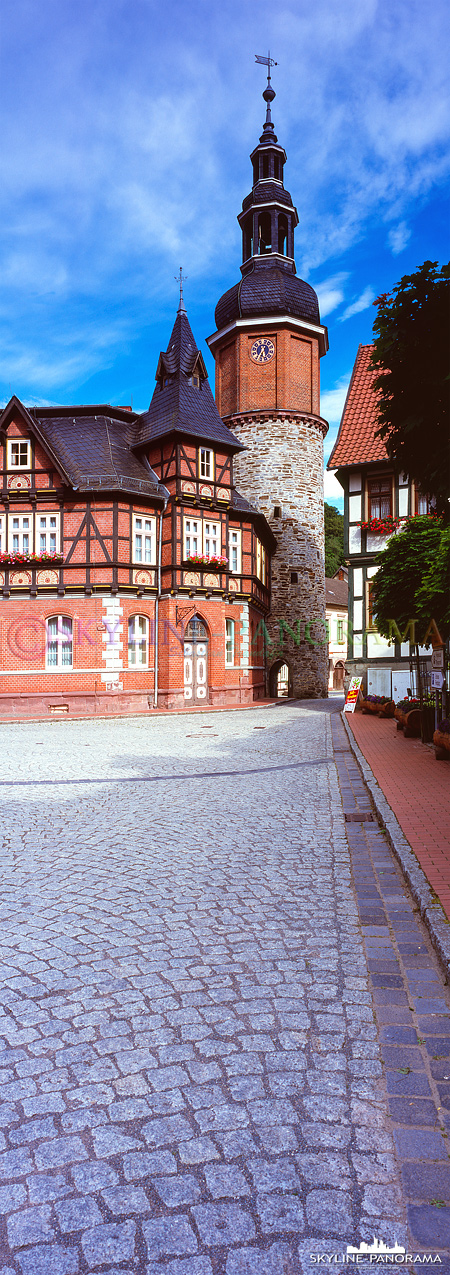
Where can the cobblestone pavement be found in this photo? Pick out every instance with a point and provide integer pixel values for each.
(190, 1067)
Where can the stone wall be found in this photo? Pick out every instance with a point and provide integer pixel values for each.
(282, 470)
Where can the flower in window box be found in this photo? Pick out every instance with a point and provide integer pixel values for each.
(16, 559)
(381, 526)
(202, 560)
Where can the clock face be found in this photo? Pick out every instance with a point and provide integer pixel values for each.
(262, 350)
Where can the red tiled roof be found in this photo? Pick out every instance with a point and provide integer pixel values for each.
(356, 443)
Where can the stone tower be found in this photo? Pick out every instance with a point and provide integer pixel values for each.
(267, 347)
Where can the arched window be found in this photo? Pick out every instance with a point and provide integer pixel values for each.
(196, 630)
(282, 234)
(264, 233)
(276, 168)
(138, 641)
(59, 644)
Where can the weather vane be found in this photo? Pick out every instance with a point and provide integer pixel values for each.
(181, 278)
(268, 62)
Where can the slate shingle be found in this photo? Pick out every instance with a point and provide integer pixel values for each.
(180, 407)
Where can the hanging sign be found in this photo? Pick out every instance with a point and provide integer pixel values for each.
(351, 698)
(437, 657)
(437, 680)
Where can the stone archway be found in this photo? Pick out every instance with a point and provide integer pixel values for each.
(280, 680)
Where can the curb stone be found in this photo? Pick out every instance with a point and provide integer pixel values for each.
(430, 909)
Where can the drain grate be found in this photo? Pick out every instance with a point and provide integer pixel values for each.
(359, 816)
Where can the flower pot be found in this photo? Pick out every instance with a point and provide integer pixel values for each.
(387, 710)
(441, 743)
(412, 724)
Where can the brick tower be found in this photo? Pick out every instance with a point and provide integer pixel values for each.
(267, 347)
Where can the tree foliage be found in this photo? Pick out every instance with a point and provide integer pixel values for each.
(412, 359)
(334, 539)
(411, 582)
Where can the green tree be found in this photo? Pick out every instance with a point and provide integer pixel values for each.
(433, 596)
(410, 582)
(334, 539)
(412, 358)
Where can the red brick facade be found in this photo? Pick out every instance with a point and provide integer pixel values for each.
(66, 641)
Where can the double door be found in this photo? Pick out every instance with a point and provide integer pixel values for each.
(196, 672)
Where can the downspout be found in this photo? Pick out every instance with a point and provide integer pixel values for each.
(163, 492)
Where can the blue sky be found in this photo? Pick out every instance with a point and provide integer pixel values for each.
(126, 131)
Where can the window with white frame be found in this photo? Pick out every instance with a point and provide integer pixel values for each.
(138, 641)
(144, 539)
(234, 550)
(47, 533)
(260, 562)
(19, 453)
(211, 539)
(340, 630)
(206, 463)
(192, 537)
(229, 641)
(59, 645)
(20, 539)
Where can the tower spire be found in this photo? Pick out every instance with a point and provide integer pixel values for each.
(181, 278)
(268, 95)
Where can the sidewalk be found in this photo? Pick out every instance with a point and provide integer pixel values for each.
(417, 788)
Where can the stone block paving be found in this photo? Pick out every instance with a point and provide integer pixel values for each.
(190, 1066)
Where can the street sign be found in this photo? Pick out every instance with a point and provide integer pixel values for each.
(437, 680)
(437, 657)
(352, 695)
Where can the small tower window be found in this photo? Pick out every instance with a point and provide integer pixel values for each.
(265, 171)
(282, 234)
(277, 511)
(195, 380)
(255, 171)
(276, 168)
(265, 233)
(294, 577)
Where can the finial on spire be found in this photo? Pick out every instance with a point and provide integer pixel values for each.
(181, 278)
(269, 92)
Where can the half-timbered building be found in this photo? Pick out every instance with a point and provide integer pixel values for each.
(132, 571)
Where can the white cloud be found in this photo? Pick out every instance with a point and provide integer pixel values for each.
(332, 403)
(398, 237)
(330, 293)
(362, 303)
(332, 490)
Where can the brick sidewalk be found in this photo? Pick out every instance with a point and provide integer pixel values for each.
(417, 788)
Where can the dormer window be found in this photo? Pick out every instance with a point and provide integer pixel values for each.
(19, 453)
(195, 381)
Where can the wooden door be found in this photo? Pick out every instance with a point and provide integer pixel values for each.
(196, 663)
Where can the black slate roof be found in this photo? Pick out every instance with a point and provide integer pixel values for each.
(267, 192)
(180, 407)
(268, 288)
(95, 454)
(90, 448)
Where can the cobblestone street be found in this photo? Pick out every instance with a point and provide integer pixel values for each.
(191, 1076)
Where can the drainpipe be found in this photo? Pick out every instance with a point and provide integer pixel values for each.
(163, 492)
